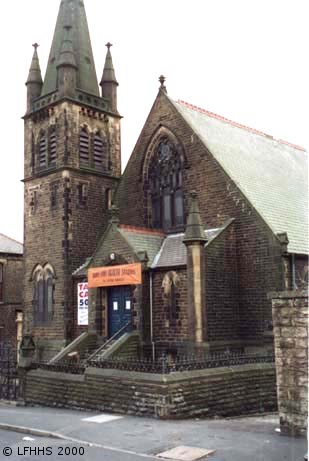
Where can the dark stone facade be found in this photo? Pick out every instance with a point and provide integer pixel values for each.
(11, 302)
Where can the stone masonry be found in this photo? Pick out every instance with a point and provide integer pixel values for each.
(290, 317)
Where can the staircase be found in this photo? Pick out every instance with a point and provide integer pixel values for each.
(109, 347)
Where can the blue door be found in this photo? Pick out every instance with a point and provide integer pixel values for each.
(119, 308)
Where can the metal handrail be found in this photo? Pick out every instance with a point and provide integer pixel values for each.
(109, 340)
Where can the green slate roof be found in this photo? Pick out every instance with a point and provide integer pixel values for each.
(272, 174)
(72, 11)
(143, 240)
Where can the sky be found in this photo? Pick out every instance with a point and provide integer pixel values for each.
(246, 60)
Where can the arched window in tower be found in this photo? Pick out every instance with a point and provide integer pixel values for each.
(52, 146)
(43, 293)
(42, 150)
(84, 147)
(98, 151)
(166, 187)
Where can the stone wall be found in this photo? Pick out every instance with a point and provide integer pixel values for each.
(290, 318)
(236, 390)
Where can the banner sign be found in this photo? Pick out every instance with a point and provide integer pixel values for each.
(128, 274)
(82, 303)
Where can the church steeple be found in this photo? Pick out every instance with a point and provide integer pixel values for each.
(34, 81)
(72, 13)
(109, 82)
(66, 66)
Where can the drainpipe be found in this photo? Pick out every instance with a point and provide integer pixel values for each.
(293, 273)
(151, 320)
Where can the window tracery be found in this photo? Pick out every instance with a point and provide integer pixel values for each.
(166, 187)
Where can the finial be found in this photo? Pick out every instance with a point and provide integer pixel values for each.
(35, 46)
(162, 81)
(108, 44)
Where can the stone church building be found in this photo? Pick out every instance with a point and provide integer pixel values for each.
(208, 217)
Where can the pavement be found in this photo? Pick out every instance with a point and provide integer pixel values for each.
(235, 439)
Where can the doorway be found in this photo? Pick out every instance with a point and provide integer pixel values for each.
(119, 308)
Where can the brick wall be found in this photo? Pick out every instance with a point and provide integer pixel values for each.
(290, 318)
(258, 254)
(232, 391)
(12, 296)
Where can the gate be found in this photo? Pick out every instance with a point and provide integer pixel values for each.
(8, 372)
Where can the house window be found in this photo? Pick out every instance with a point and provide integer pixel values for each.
(43, 293)
(84, 147)
(52, 146)
(42, 150)
(166, 182)
(1, 282)
(98, 151)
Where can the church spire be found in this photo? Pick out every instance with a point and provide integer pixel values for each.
(72, 41)
(109, 82)
(34, 81)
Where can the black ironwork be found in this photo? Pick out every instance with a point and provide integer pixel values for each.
(8, 372)
(65, 366)
(168, 364)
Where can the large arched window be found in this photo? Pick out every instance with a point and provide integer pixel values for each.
(43, 293)
(166, 187)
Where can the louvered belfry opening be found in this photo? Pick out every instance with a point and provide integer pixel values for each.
(52, 147)
(42, 151)
(98, 151)
(84, 146)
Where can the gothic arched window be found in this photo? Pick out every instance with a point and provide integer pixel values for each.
(43, 293)
(84, 146)
(166, 187)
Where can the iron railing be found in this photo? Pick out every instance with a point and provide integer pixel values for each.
(163, 365)
(8, 372)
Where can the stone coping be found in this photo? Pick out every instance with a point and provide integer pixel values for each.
(171, 378)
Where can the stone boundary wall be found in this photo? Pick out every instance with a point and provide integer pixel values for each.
(226, 391)
(290, 320)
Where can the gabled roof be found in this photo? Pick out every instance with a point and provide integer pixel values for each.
(143, 240)
(74, 12)
(174, 252)
(8, 245)
(272, 174)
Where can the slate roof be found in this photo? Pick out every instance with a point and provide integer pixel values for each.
(8, 245)
(141, 240)
(272, 174)
(74, 12)
(174, 252)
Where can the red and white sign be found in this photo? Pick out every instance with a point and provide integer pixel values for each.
(82, 303)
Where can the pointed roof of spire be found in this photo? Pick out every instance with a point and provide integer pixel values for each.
(72, 14)
(108, 71)
(35, 75)
(194, 228)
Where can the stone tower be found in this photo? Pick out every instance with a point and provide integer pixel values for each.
(72, 164)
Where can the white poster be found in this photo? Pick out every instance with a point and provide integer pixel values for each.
(82, 303)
